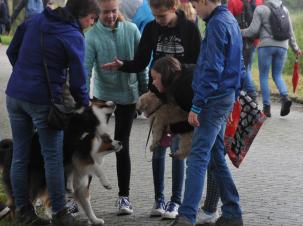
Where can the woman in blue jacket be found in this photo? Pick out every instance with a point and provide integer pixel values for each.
(28, 98)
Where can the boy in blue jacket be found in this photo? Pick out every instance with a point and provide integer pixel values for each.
(216, 83)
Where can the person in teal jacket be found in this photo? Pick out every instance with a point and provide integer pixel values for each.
(111, 37)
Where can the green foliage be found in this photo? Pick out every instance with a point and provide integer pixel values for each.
(297, 21)
(5, 40)
(293, 4)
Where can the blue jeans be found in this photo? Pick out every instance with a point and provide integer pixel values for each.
(249, 85)
(158, 165)
(208, 148)
(273, 57)
(25, 118)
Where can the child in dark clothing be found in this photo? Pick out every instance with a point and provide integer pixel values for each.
(170, 34)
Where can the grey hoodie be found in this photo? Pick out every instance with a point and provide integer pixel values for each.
(260, 26)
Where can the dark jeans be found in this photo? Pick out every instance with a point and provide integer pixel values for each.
(124, 116)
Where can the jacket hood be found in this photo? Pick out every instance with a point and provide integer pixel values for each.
(58, 21)
(218, 9)
(276, 3)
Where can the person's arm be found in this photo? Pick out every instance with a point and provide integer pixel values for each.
(90, 58)
(254, 28)
(195, 44)
(142, 56)
(18, 9)
(13, 49)
(75, 52)
(292, 40)
(208, 73)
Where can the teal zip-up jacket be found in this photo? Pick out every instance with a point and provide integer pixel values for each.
(103, 44)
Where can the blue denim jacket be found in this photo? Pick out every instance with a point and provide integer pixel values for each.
(220, 65)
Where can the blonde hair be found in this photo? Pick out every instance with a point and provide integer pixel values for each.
(120, 15)
(188, 10)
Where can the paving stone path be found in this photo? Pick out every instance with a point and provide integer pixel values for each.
(270, 180)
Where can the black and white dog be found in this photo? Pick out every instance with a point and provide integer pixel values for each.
(86, 142)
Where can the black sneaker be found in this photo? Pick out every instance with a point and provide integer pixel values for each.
(4, 210)
(64, 218)
(285, 106)
(266, 110)
(27, 215)
(222, 221)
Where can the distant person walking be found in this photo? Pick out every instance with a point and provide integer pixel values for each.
(4, 18)
(272, 50)
(32, 7)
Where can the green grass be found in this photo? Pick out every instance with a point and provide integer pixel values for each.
(5, 39)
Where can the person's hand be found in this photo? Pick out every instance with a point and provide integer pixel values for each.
(193, 119)
(299, 53)
(115, 65)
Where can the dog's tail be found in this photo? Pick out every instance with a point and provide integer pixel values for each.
(6, 149)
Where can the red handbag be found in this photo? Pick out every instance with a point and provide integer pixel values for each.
(242, 127)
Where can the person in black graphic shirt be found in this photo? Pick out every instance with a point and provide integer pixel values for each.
(170, 34)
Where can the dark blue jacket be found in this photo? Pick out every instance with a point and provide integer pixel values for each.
(63, 48)
(220, 65)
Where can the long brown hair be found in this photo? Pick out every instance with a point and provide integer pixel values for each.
(169, 68)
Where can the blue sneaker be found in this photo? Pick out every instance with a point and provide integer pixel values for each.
(124, 206)
(171, 210)
(158, 208)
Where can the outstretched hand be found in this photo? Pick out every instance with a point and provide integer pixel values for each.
(115, 65)
(299, 53)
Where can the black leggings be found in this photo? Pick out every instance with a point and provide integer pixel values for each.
(124, 116)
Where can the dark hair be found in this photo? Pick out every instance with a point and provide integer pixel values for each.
(163, 3)
(82, 8)
(169, 68)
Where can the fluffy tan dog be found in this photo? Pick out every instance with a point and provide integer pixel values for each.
(164, 115)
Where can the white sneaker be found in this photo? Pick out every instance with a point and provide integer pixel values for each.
(124, 206)
(205, 218)
(158, 208)
(171, 210)
(72, 207)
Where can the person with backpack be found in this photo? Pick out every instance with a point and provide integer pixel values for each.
(272, 24)
(32, 7)
(170, 34)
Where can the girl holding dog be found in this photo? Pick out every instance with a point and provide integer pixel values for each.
(112, 36)
(170, 34)
(28, 98)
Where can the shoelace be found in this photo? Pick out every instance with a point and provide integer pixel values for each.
(72, 207)
(123, 202)
(170, 206)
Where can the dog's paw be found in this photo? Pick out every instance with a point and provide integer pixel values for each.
(98, 221)
(107, 186)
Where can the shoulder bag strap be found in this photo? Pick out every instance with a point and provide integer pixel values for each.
(45, 68)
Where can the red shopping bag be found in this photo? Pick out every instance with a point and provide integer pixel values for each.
(248, 123)
(296, 75)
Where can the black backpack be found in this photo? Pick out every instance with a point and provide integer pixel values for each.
(279, 22)
(245, 18)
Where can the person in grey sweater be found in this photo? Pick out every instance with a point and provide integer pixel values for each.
(271, 54)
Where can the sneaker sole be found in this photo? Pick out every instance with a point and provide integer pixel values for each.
(4, 213)
(156, 213)
(124, 212)
(168, 217)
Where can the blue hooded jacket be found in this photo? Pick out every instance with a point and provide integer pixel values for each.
(63, 48)
(220, 67)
